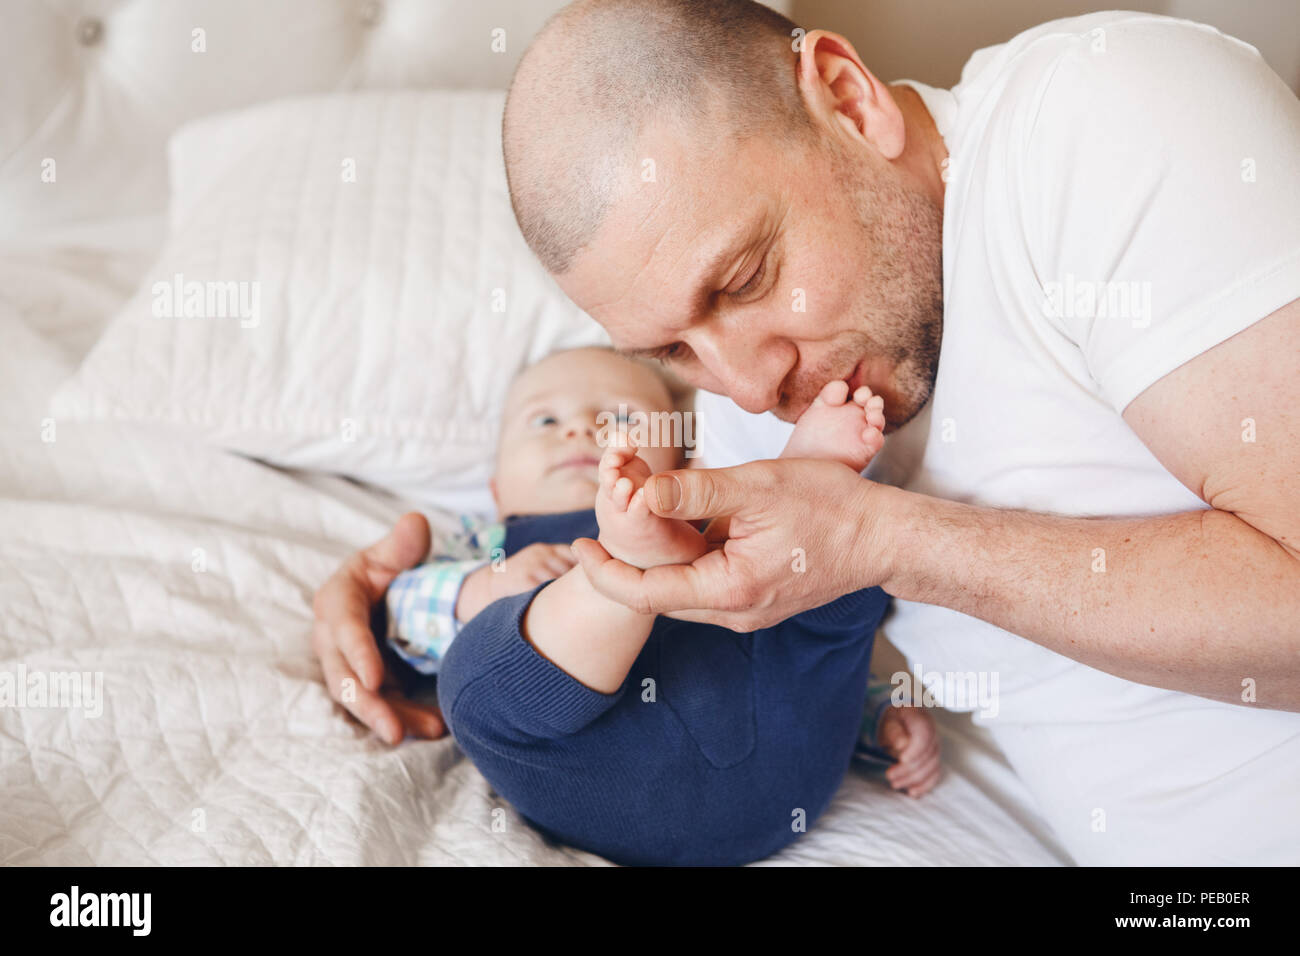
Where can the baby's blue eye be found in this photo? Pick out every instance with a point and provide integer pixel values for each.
(542, 420)
(623, 416)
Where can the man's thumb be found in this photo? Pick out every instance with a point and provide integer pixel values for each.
(403, 547)
(694, 494)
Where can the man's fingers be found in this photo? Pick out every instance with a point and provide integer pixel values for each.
(377, 714)
(367, 706)
(418, 719)
(357, 644)
(612, 578)
(402, 548)
(706, 493)
(669, 587)
(342, 610)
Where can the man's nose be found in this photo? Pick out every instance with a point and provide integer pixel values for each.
(747, 373)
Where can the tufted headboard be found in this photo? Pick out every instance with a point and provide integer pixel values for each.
(93, 88)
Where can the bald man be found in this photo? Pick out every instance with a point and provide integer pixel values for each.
(1074, 278)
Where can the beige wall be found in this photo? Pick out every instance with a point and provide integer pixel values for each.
(929, 40)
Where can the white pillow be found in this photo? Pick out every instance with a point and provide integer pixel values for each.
(383, 296)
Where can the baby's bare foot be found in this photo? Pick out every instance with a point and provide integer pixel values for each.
(629, 530)
(834, 427)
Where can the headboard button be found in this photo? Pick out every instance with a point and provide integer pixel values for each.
(372, 11)
(89, 31)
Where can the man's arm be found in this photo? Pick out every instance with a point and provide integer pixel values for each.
(1196, 602)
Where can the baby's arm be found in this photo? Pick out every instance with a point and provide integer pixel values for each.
(427, 605)
(421, 606)
(522, 571)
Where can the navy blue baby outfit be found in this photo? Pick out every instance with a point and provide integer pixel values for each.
(719, 748)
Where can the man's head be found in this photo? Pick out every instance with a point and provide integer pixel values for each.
(548, 448)
(761, 219)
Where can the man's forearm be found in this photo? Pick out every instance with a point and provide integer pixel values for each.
(1196, 602)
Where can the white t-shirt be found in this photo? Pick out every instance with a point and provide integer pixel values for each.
(1123, 194)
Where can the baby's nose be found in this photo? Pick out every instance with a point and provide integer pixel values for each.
(583, 425)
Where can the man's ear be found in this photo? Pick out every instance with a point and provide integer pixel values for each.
(843, 94)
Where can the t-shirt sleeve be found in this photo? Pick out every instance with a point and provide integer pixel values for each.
(1160, 182)
(727, 435)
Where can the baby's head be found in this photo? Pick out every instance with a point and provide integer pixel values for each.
(548, 450)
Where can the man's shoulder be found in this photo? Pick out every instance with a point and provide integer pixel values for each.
(1113, 70)
(1117, 33)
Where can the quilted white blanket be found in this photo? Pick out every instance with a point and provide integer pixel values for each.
(178, 579)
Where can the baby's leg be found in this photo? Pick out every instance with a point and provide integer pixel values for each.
(834, 427)
(585, 634)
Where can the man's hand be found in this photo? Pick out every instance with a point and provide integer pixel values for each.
(522, 571)
(800, 534)
(341, 638)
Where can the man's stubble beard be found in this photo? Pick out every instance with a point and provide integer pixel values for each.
(901, 319)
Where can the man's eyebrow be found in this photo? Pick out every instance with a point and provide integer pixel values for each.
(726, 252)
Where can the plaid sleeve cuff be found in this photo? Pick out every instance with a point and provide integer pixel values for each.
(421, 606)
(879, 700)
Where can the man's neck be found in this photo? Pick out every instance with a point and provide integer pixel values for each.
(924, 152)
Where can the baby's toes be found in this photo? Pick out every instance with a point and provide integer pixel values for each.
(622, 493)
(610, 467)
(834, 393)
(636, 468)
(873, 439)
(636, 507)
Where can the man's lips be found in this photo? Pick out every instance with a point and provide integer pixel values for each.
(855, 377)
(578, 461)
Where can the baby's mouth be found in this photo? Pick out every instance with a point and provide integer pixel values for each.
(576, 462)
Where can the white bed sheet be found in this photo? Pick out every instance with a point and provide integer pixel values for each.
(217, 742)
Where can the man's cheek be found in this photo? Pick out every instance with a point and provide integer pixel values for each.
(695, 375)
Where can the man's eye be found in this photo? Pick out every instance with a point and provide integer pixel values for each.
(670, 353)
(542, 420)
(753, 282)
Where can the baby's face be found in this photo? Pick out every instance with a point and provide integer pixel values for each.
(546, 461)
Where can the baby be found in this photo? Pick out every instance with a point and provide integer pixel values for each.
(644, 739)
